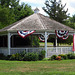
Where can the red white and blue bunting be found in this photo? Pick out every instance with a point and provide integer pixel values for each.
(42, 38)
(62, 34)
(24, 34)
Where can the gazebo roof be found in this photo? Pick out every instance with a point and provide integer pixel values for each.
(36, 22)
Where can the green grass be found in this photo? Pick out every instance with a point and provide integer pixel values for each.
(63, 67)
(51, 44)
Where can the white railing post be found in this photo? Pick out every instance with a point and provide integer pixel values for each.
(61, 50)
(56, 48)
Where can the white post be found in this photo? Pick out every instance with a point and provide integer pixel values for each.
(9, 44)
(56, 41)
(46, 44)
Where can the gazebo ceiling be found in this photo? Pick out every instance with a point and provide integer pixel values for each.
(36, 22)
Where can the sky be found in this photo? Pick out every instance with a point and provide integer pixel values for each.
(70, 4)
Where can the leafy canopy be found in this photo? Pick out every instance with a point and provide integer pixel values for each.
(11, 11)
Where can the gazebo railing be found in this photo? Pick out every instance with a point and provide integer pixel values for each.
(50, 50)
(19, 50)
(58, 50)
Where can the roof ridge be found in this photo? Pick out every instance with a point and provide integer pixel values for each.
(41, 20)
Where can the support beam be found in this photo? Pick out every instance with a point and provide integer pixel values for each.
(9, 44)
(46, 44)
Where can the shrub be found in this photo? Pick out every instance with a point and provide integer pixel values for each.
(30, 57)
(2, 56)
(12, 57)
(42, 55)
(23, 53)
(27, 56)
(53, 57)
(58, 58)
(16, 56)
(63, 56)
(8, 57)
(71, 56)
(45, 59)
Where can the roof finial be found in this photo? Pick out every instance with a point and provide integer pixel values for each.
(36, 10)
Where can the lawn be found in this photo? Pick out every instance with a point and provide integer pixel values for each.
(63, 67)
(49, 44)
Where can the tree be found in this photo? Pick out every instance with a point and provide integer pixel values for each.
(11, 11)
(6, 17)
(72, 19)
(61, 41)
(22, 11)
(71, 22)
(55, 10)
(11, 3)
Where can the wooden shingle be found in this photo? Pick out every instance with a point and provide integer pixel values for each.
(36, 22)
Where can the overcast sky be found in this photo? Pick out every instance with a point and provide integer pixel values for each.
(40, 3)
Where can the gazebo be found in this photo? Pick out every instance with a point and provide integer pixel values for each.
(42, 25)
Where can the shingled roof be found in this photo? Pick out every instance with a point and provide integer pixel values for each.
(36, 22)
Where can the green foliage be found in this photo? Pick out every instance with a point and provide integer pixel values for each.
(11, 11)
(71, 22)
(22, 11)
(2, 56)
(35, 41)
(16, 56)
(63, 56)
(8, 57)
(53, 57)
(71, 56)
(30, 57)
(12, 57)
(45, 59)
(42, 55)
(68, 41)
(27, 56)
(5, 17)
(23, 53)
(55, 10)
(72, 19)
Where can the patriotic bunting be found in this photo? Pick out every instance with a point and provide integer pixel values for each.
(42, 38)
(73, 42)
(24, 34)
(62, 34)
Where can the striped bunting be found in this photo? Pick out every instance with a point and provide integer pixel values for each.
(24, 34)
(62, 34)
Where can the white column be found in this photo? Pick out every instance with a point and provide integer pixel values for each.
(46, 44)
(9, 44)
(56, 41)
